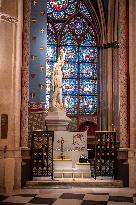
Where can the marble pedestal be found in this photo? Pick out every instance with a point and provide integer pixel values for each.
(82, 166)
(64, 165)
(57, 120)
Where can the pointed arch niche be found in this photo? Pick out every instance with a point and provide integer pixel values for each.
(74, 26)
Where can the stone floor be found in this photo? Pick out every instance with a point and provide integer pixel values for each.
(70, 196)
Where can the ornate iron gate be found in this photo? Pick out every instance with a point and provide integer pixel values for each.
(42, 153)
(105, 155)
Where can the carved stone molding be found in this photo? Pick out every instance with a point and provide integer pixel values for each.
(8, 18)
(92, 118)
(25, 75)
(123, 73)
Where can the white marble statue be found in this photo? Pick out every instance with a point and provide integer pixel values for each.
(56, 102)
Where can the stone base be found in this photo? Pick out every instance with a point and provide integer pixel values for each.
(57, 121)
(26, 165)
(7, 167)
(10, 170)
(82, 166)
(122, 166)
(76, 182)
(72, 174)
(132, 168)
(59, 164)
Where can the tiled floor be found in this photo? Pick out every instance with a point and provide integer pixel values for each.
(71, 196)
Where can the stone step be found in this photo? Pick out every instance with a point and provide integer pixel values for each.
(82, 182)
(72, 174)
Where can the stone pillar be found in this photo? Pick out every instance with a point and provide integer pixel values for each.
(116, 119)
(103, 89)
(121, 106)
(10, 84)
(109, 63)
(132, 73)
(25, 75)
(17, 102)
(109, 88)
(123, 73)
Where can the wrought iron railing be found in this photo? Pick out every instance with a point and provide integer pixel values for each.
(104, 163)
(42, 153)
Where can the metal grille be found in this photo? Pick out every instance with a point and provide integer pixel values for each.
(105, 160)
(42, 153)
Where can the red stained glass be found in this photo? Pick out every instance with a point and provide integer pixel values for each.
(59, 5)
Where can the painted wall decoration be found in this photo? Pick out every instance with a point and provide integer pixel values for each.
(74, 144)
(52, 26)
(79, 140)
(37, 61)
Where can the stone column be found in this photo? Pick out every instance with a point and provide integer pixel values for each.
(17, 100)
(103, 89)
(123, 74)
(25, 75)
(116, 119)
(10, 83)
(109, 88)
(121, 119)
(132, 73)
(109, 63)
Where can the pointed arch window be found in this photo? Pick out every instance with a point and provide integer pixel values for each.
(72, 26)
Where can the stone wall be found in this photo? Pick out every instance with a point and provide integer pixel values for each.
(10, 94)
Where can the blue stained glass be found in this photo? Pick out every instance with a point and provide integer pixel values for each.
(88, 104)
(79, 25)
(50, 34)
(59, 4)
(47, 101)
(59, 15)
(51, 38)
(85, 11)
(49, 68)
(90, 15)
(48, 81)
(78, 38)
(71, 53)
(72, 8)
(88, 40)
(61, 9)
(68, 38)
(50, 28)
(58, 26)
(49, 9)
(70, 70)
(70, 87)
(71, 104)
(51, 53)
(88, 70)
(88, 54)
(88, 86)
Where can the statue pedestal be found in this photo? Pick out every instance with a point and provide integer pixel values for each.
(57, 120)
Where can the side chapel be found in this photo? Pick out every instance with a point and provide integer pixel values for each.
(98, 88)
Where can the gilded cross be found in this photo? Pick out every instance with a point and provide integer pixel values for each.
(42, 30)
(34, 3)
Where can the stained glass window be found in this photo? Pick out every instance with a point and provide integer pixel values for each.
(61, 9)
(72, 26)
(71, 53)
